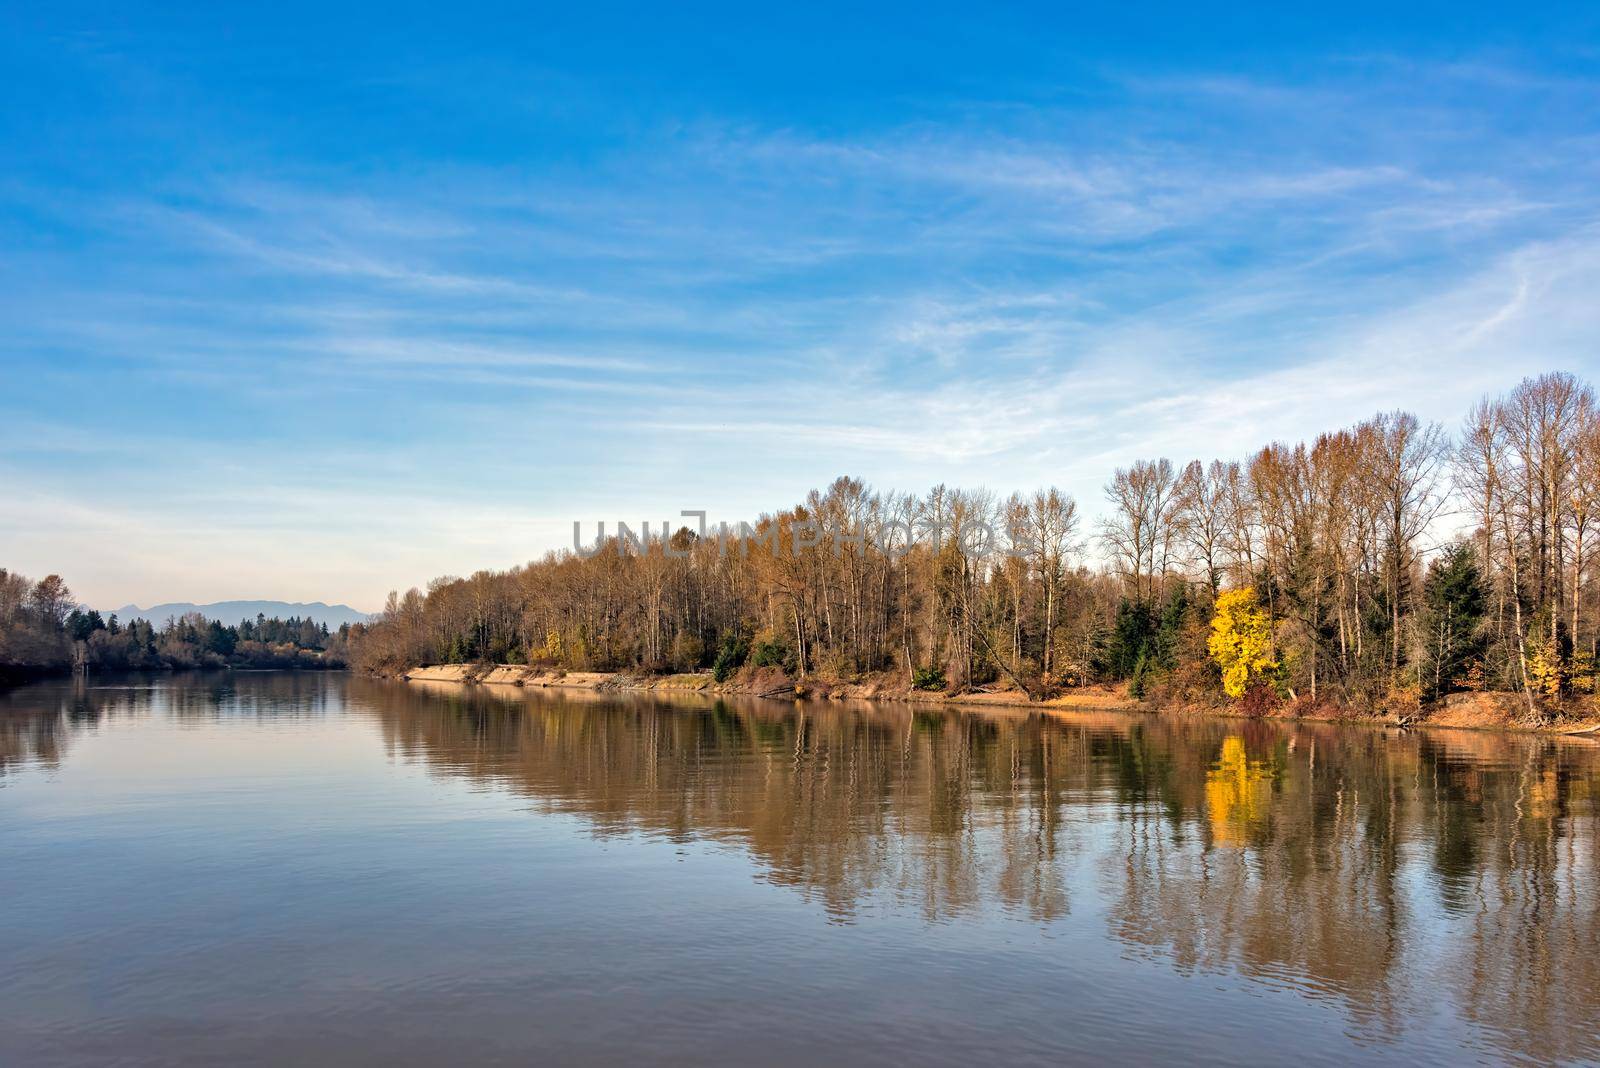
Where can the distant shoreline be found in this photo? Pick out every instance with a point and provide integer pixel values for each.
(13, 676)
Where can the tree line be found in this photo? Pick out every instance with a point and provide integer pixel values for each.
(42, 630)
(1382, 565)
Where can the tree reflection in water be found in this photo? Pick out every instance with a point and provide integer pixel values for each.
(1386, 871)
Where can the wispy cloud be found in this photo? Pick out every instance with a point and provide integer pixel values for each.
(454, 358)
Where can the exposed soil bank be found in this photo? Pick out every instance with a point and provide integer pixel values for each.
(1460, 711)
(759, 682)
(1472, 711)
(750, 682)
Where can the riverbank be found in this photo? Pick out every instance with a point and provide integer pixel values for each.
(1462, 711)
(765, 682)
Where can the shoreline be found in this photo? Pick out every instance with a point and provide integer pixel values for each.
(14, 678)
(1476, 712)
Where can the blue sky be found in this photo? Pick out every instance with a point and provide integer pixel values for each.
(316, 301)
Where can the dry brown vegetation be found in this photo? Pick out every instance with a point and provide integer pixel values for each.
(1369, 608)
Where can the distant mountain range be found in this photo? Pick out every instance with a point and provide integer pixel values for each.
(231, 612)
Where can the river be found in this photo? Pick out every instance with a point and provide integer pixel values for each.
(280, 867)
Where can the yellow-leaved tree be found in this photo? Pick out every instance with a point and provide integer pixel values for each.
(1546, 672)
(1241, 640)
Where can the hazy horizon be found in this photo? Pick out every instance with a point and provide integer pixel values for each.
(302, 307)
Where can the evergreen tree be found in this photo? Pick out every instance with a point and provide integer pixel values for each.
(1169, 629)
(1454, 604)
(1131, 637)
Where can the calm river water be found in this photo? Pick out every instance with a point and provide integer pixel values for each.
(307, 868)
